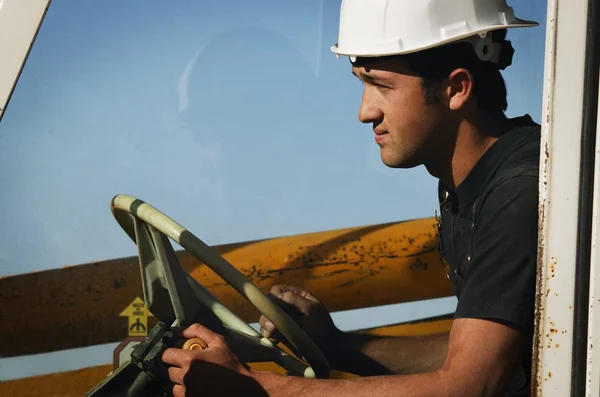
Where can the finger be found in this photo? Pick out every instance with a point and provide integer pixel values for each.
(309, 296)
(199, 331)
(277, 289)
(293, 304)
(267, 328)
(176, 357)
(266, 324)
(176, 375)
(298, 301)
(178, 391)
(282, 288)
(262, 321)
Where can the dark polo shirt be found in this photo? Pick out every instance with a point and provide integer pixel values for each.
(488, 229)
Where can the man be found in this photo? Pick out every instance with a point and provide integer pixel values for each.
(435, 96)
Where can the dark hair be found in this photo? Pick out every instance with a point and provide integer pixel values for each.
(436, 64)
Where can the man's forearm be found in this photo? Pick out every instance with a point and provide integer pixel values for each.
(481, 360)
(369, 355)
(432, 384)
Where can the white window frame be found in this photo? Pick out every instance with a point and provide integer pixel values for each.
(20, 21)
(592, 381)
(593, 356)
(568, 230)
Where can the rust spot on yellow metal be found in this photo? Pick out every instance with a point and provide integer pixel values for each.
(419, 264)
(77, 383)
(350, 268)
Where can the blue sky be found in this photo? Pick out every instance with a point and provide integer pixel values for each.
(235, 119)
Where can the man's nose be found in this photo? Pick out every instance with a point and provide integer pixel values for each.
(368, 112)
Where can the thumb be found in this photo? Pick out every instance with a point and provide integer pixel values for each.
(199, 331)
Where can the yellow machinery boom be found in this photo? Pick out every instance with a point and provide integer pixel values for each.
(79, 306)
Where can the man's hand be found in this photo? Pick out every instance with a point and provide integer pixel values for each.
(481, 361)
(310, 314)
(214, 371)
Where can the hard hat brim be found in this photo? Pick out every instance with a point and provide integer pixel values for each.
(369, 53)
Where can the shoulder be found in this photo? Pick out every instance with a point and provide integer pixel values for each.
(521, 155)
(516, 177)
(511, 201)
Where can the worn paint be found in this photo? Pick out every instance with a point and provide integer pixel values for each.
(540, 286)
(79, 306)
(77, 383)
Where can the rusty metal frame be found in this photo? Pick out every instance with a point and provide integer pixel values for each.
(592, 373)
(584, 301)
(560, 242)
(593, 358)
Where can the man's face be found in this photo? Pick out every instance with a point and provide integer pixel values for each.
(393, 101)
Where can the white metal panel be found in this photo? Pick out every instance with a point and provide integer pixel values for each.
(559, 194)
(19, 24)
(593, 369)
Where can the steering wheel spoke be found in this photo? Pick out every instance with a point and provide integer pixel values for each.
(166, 290)
(257, 349)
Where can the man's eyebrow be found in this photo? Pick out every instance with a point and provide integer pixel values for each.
(368, 77)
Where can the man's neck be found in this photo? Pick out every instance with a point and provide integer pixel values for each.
(472, 139)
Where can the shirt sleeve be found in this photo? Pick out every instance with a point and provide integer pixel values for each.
(500, 279)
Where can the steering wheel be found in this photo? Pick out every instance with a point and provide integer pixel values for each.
(173, 296)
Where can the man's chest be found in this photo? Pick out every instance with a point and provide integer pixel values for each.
(456, 228)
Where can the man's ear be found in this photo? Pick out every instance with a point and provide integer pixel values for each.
(460, 88)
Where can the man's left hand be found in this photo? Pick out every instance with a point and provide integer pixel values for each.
(213, 371)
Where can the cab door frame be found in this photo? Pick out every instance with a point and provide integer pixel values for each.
(20, 21)
(568, 227)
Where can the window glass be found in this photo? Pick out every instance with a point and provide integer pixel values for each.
(232, 117)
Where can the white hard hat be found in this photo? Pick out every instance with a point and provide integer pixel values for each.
(373, 28)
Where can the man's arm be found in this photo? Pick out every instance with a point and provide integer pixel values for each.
(492, 327)
(494, 318)
(481, 359)
(360, 354)
(369, 355)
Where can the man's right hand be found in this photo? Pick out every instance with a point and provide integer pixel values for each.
(308, 312)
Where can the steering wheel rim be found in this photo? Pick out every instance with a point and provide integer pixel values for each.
(124, 207)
